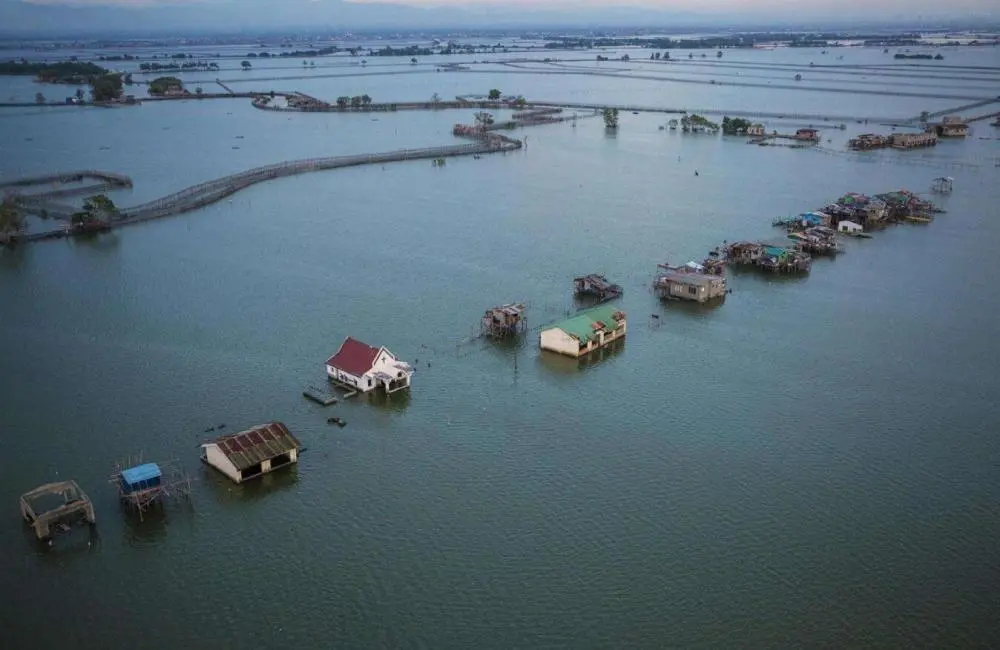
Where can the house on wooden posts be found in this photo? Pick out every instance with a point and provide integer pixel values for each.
(849, 227)
(503, 321)
(587, 331)
(366, 368)
(252, 453)
(597, 286)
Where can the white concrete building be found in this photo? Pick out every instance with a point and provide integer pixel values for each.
(849, 227)
(366, 368)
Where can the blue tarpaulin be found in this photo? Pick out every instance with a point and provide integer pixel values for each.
(142, 477)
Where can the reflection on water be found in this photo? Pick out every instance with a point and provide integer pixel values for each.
(562, 365)
(255, 489)
(692, 307)
(77, 542)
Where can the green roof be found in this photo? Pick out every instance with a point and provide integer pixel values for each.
(582, 325)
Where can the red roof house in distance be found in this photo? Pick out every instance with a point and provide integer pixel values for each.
(364, 368)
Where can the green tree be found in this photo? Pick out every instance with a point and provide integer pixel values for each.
(198, 90)
(495, 95)
(39, 98)
(11, 220)
(413, 61)
(356, 101)
(246, 65)
(163, 85)
(106, 88)
(79, 94)
(520, 102)
(343, 101)
(436, 98)
(366, 100)
(610, 118)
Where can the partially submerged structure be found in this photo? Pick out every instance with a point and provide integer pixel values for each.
(504, 321)
(364, 368)
(252, 453)
(942, 185)
(141, 485)
(949, 127)
(589, 330)
(596, 286)
(768, 257)
(816, 240)
(688, 282)
(849, 227)
(55, 507)
(913, 140)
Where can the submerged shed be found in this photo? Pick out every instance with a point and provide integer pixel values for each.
(587, 331)
(254, 452)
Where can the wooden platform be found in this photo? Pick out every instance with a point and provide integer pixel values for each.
(320, 396)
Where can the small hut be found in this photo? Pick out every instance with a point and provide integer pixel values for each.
(142, 485)
(942, 185)
(504, 321)
(597, 286)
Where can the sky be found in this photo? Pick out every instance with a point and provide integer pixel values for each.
(84, 16)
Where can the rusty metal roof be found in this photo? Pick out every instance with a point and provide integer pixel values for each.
(258, 444)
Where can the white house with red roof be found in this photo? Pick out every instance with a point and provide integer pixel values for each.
(365, 368)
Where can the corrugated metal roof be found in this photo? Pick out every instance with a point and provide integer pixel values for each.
(258, 444)
(585, 325)
(354, 357)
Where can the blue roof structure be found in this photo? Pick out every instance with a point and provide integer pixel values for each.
(147, 473)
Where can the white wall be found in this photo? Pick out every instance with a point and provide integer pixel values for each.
(556, 340)
(218, 460)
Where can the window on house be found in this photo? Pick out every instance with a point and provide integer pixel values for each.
(693, 290)
(369, 382)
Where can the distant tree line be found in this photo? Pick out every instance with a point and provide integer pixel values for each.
(65, 72)
(730, 41)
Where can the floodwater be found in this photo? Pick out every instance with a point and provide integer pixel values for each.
(812, 463)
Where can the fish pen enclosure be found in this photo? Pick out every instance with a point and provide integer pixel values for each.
(55, 507)
(504, 321)
(142, 485)
(596, 286)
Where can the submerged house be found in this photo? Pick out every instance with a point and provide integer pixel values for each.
(809, 135)
(587, 331)
(366, 368)
(949, 127)
(678, 284)
(597, 286)
(755, 130)
(252, 453)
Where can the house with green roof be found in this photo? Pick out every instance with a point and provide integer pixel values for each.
(587, 331)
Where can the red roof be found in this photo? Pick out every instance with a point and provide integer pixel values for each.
(354, 357)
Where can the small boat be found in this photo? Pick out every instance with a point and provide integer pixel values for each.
(337, 421)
